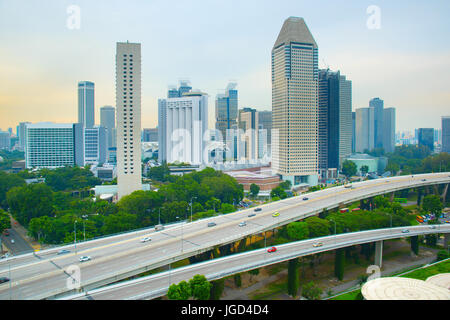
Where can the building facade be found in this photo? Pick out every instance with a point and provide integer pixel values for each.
(377, 104)
(365, 129)
(426, 137)
(53, 145)
(227, 110)
(95, 145)
(182, 125)
(445, 133)
(108, 121)
(86, 114)
(389, 130)
(295, 104)
(150, 135)
(128, 104)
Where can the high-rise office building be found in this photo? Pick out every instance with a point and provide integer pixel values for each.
(95, 145)
(426, 137)
(52, 145)
(389, 130)
(445, 134)
(353, 132)
(5, 140)
(295, 104)
(150, 135)
(227, 109)
(128, 104)
(22, 135)
(335, 119)
(108, 121)
(265, 134)
(182, 124)
(365, 129)
(249, 124)
(378, 106)
(86, 114)
(184, 87)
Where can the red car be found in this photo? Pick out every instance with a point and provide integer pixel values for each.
(273, 249)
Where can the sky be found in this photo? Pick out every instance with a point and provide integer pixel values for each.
(405, 62)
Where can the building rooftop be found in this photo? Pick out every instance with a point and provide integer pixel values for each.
(294, 29)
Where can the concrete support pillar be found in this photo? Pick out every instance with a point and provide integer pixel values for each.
(444, 193)
(392, 196)
(446, 240)
(379, 253)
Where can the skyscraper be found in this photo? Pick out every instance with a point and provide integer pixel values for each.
(426, 137)
(295, 103)
(128, 104)
(108, 121)
(248, 122)
(378, 106)
(184, 87)
(353, 132)
(22, 135)
(445, 134)
(335, 119)
(365, 129)
(52, 145)
(95, 145)
(182, 124)
(86, 104)
(227, 109)
(389, 130)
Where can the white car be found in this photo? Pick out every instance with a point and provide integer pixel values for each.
(12, 241)
(85, 258)
(405, 231)
(242, 224)
(146, 239)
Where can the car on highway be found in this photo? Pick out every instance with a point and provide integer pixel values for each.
(12, 241)
(251, 215)
(424, 179)
(85, 258)
(63, 251)
(305, 198)
(276, 214)
(242, 224)
(211, 224)
(317, 244)
(432, 227)
(146, 239)
(4, 279)
(405, 231)
(257, 209)
(273, 249)
(159, 227)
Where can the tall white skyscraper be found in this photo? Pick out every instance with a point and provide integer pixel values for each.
(182, 124)
(365, 129)
(128, 104)
(295, 104)
(86, 104)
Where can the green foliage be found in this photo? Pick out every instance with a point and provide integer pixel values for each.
(30, 201)
(5, 221)
(160, 173)
(433, 204)
(311, 291)
(69, 178)
(349, 168)
(237, 280)
(7, 182)
(364, 169)
(254, 190)
(297, 230)
(286, 185)
(254, 272)
(181, 291)
(227, 208)
(278, 192)
(442, 254)
(200, 287)
(141, 203)
(317, 227)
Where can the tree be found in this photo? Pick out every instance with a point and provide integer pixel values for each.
(297, 230)
(254, 190)
(278, 192)
(317, 227)
(217, 289)
(311, 291)
(286, 185)
(364, 169)
(181, 291)
(5, 221)
(433, 204)
(349, 168)
(227, 208)
(200, 287)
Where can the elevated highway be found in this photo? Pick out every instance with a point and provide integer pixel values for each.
(43, 275)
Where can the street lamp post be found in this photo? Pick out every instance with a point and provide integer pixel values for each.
(75, 232)
(159, 216)
(191, 206)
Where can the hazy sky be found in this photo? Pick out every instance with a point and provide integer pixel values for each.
(406, 62)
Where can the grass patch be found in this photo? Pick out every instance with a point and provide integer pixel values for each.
(352, 295)
(271, 290)
(424, 273)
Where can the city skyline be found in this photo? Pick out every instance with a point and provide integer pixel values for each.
(349, 47)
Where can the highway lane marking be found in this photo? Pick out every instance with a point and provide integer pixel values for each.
(166, 241)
